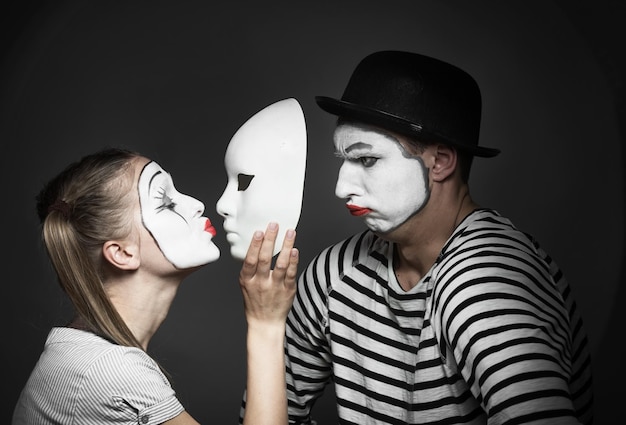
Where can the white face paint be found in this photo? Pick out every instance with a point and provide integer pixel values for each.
(265, 164)
(175, 220)
(380, 180)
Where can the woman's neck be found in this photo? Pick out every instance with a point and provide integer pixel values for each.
(143, 305)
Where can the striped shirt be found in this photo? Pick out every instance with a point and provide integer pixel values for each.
(82, 378)
(490, 334)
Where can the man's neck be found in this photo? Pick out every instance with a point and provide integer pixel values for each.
(419, 241)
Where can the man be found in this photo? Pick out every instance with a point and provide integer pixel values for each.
(442, 311)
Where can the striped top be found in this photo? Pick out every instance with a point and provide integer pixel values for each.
(82, 378)
(490, 334)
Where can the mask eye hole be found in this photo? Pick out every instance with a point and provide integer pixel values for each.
(244, 181)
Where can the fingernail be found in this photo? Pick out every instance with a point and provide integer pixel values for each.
(273, 226)
(290, 234)
(258, 235)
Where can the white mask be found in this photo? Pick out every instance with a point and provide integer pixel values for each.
(175, 220)
(265, 163)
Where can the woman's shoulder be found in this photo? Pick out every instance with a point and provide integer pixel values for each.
(80, 373)
(85, 354)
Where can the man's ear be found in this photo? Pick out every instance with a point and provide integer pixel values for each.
(445, 162)
(123, 255)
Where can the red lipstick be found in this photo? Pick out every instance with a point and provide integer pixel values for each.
(208, 227)
(358, 211)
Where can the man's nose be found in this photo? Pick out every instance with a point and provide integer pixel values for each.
(346, 186)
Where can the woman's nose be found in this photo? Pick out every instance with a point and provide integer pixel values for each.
(196, 206)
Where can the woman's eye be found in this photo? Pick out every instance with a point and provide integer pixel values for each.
(244, 181)
(166, 202)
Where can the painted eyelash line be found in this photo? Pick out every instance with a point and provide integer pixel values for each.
(171, 205)
(167, 202)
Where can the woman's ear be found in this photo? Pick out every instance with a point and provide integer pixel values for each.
(123, 255)
(445, 162)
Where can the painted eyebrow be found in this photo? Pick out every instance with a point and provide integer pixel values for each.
(363, 145)
(152, 178)
(358, 145)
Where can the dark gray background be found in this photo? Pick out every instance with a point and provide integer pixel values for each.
(175, 80)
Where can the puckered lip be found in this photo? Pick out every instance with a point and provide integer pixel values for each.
(208, 227)
(357, 210)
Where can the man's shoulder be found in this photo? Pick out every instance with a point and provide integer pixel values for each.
(484, 224)
(364, 241)
(488, 240)
(338, 258)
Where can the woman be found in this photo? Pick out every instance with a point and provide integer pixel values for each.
(121, 239)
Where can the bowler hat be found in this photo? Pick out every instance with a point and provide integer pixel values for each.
(414, 95)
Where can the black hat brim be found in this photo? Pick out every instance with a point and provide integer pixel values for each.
(391, 122)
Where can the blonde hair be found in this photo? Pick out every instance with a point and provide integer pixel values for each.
(87, 204)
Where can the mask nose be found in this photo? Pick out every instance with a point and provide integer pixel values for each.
(224, 205)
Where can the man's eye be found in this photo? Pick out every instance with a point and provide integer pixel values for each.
(244, 181)
(368, 161)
